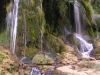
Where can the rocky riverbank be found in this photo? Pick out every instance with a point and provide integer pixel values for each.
(66, 64)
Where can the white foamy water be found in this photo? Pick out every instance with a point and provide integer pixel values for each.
(85, 47)
(12, 22)
(35, 71)
(77, 17)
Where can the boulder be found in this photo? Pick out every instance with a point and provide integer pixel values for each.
(42, 59)
(71, 38)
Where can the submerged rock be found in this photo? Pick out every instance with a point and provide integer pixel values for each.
(42, 59)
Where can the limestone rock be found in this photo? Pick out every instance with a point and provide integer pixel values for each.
(11, 65)
(69, 71)
(42, 59)
(69, 48)
(69, 58)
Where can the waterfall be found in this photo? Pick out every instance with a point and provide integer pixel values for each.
(36, 71)
(77, 17)
(85, 47)
(12, 21)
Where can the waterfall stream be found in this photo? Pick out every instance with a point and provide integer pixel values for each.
(77, 17)
(36, 71)
(85, 47)
(12, 21)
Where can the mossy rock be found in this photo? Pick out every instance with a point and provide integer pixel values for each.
(42, 59)
(30, 51)
(62, 48)
(72, 40)
(53, 43)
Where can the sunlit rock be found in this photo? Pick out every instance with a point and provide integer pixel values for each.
(42, 59)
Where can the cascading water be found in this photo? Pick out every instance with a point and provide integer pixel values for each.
(77, 17)
(12, 21)
(85, 47)
(36, 71)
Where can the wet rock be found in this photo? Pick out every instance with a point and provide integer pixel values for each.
(35, 71)
(42, 59)
(71, 38)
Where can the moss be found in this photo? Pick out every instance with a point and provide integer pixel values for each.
(52, 43)
(72, 40)
(4, 38)
(35, 21)
(30, 51)
(96, 6)
(42, 59)
(62, 38)
(62, 8)
(62, 48)
(87, 22)
(89, 10)
(91, 32)
(55, 44)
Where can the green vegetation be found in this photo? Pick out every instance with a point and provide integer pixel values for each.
(88, 16)
(89, 64)
(96, 6)
(41, 22)
(45, 19)
(30, 51)
(4, 38)
(31, 25)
